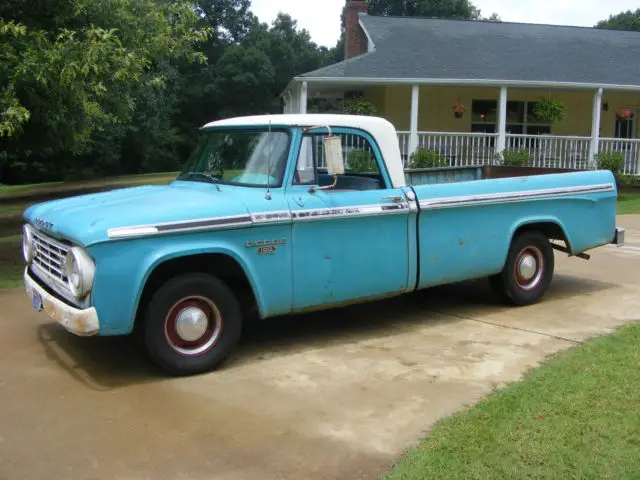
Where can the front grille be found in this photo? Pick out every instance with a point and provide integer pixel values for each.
(49, 258)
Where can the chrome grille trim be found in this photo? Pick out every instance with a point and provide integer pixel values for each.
(49, 260)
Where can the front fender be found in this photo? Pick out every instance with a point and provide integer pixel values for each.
(123, 268)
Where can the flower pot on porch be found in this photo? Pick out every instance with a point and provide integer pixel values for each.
(458, 115)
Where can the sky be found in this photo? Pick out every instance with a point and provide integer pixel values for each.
(323, 22)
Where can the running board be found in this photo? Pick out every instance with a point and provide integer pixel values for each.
(562, 249)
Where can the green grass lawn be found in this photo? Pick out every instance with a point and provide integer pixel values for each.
(14, 199)
(577, 416)
(9, 191)
(629, 201)
(11, 263)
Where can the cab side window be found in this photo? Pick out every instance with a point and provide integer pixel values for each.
(361, 170)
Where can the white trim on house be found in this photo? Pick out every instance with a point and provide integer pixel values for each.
(303, 98)
(371, 46)
(464, 82)
(595, 127)
(502, 120)
(415, 104)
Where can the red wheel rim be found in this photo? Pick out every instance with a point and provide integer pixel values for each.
(528, 268)
(192, 326)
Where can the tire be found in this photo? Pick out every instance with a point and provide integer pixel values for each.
(192, 323)
(528, 271)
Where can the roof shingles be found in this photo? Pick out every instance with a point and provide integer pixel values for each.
(421, 48)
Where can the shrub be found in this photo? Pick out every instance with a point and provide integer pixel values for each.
(613, 161)
(423, 158)
(629, 181)
(359, 106)
(361, 161)
(516, 158)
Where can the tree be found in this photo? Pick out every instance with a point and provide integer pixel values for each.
(622, 21)
(249, 74)
(462, 9)
(91, 88)
(494, 17)
(80, 69)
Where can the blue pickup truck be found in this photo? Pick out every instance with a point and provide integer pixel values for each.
(278, 215)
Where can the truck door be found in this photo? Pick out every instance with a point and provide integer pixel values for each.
(350, 234)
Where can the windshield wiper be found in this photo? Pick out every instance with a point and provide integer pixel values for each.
(207, 176)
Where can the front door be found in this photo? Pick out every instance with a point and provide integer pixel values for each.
(350, 240)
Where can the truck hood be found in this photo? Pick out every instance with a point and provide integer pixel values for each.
(86, 219)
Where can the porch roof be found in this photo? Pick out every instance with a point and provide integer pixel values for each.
(442, 51)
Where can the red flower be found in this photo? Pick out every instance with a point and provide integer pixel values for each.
(459, 108)
(624, 113)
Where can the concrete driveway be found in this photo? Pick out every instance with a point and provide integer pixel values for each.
(334, 395)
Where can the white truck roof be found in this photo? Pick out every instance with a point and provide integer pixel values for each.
(383, 132)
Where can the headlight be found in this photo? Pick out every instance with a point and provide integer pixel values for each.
(28, 247)
(79, 269)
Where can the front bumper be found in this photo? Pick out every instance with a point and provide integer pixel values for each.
(618, 238)
(84, 323)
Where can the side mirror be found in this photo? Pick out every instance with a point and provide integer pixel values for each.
(333, 155)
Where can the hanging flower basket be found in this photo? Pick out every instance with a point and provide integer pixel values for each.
(548, 110)
(459, 109)
(624, 114)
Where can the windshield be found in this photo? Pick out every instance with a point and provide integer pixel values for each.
(239, 157)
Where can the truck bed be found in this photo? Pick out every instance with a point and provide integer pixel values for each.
(429, 176)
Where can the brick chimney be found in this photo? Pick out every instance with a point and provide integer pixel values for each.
(355, 38)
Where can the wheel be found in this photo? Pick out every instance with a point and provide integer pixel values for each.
(528, 270)
(192, 323)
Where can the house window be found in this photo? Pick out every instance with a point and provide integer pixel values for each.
(625, 128)
(520, 118)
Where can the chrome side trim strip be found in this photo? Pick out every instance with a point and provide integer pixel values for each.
(261, 218)
(183, 226)
(347, 212)
(283, 216)
(509, 197)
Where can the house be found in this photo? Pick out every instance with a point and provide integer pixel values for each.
(417, 71)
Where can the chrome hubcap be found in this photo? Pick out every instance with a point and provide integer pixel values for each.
(527, 267)
(191, 324)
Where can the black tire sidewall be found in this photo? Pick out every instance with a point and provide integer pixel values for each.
(516, 294)
(165, 297)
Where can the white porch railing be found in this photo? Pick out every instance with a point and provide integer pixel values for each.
(628, 148)
(349, 144)
(545, 151)
(551, 151)
(460, 149)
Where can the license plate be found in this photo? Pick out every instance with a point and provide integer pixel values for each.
(36, 301)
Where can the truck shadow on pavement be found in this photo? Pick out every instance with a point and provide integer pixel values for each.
(107, 363)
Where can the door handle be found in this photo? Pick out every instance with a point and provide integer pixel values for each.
(395, 198)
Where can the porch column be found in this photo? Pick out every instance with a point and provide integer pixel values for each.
(413, 131)
(502, 121)
(595, 129)
(303, 97)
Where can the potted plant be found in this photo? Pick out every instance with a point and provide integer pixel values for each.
(359, 106)
(549, 110)
(624, 114)
(459, 109)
